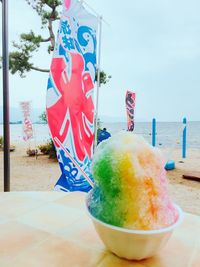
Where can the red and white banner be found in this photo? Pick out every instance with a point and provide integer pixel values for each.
(130, 109)
(27, 124)
(70, 107)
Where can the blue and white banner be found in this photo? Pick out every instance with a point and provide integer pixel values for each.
(70, 107)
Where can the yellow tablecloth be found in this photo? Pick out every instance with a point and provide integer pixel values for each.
(53, 229)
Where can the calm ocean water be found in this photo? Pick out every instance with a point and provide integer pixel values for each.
(169, 134)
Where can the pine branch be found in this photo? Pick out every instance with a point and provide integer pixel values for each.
(39, 69)
(45, 40)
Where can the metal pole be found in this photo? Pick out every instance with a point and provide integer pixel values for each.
(6, 126)
(154, 132)
(94, 11)
(98, 83)
(184, 138)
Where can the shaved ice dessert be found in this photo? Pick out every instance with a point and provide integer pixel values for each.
(130, 189)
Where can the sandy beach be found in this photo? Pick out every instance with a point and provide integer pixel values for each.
(31, 174)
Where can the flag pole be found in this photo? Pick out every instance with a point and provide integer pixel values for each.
(6, 120)
(94, 11)
(100, 19)
(98, 83)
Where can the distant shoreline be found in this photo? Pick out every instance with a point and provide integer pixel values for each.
(169, 134)
(110, 122)
(11, 123)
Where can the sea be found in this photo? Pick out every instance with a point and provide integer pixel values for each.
(169, 134)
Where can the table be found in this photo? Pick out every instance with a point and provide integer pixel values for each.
(53, 229)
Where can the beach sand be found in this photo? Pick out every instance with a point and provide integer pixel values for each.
(31, 174)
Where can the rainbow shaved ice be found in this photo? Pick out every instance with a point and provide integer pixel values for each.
(130, 188)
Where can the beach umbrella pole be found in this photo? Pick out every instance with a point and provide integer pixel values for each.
(6, 126)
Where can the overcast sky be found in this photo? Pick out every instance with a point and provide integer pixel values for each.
(151, 47)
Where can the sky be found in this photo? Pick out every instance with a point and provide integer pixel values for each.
(149, 47)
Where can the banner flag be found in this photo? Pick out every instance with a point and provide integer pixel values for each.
(27, 124)
(70, 106)
(130, 108)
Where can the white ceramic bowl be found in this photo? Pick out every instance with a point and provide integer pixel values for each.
(134, 244)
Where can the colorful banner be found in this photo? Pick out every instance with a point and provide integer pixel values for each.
(27, 124)
(130, 108)
(70, 107)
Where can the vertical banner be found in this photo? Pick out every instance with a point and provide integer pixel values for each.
(27, 124)
(70, 107)
(130, 109)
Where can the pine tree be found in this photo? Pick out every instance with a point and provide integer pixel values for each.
(48, 12)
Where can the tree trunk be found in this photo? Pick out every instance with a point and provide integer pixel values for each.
(52, 36)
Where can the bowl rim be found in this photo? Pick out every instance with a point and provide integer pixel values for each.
(141, 232)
